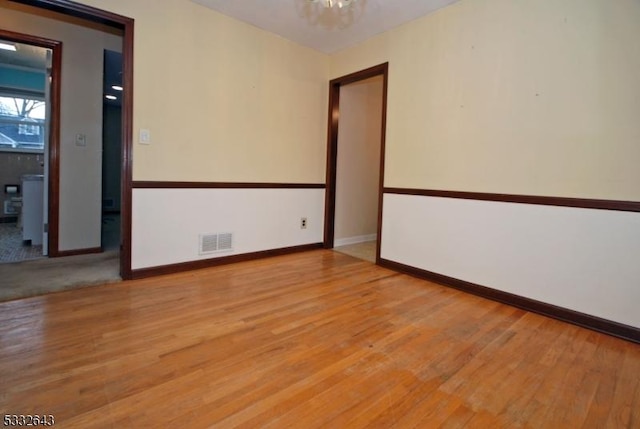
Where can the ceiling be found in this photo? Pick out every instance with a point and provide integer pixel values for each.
(26, 56)
(326, 30)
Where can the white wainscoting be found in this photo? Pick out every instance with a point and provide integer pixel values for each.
(581, 259)
(166, 223)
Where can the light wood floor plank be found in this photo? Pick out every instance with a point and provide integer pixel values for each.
(314, 340)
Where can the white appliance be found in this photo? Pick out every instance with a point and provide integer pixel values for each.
(32, 208)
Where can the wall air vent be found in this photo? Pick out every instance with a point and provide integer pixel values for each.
(225, 241)
(212, 243)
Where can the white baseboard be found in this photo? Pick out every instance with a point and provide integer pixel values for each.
(354, 240)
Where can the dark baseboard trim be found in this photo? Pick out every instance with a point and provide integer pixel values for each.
(141, 273)
(609, 327)
(224, 185)
(76, 252)
(626, 206)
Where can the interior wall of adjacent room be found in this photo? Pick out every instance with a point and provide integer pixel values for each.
(358, 161)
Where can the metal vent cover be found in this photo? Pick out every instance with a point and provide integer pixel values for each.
(212, 243)
(225, 241)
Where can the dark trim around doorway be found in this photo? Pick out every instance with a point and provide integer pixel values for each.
(125, 24)
(332, 148)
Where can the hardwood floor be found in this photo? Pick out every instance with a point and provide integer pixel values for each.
(317, 339)
(365, 251)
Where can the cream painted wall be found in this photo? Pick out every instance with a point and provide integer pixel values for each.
(81, 112)
(521, 97)
(224, 101)
(358, 166)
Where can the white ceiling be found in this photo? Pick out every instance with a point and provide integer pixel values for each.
(326, 30)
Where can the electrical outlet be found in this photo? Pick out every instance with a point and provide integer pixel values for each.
(303, 223)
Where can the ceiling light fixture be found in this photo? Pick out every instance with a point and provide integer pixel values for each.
(117, 87)
(332, 3)
(110, 97)
(7, 46)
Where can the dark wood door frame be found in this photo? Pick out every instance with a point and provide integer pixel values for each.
(125, 24)
(53, 145)
(332, 148)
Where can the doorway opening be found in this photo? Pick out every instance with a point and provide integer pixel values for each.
(29, 119)
(355, 162)
(111, 150)
(78, 13)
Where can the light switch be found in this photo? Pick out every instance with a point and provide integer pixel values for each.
(145, 136)
(81, 139)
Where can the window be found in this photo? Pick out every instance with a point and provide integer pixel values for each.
(22, 119)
